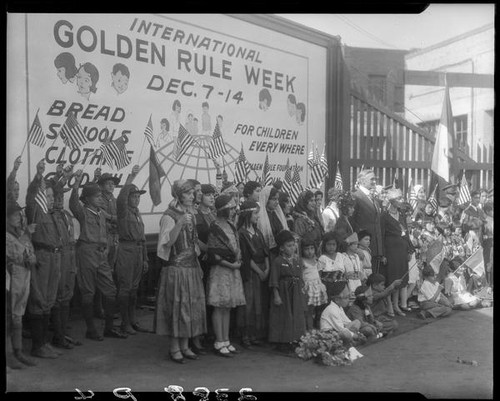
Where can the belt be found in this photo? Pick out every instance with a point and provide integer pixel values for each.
(45, 247)
(100, 247)
(141, 243)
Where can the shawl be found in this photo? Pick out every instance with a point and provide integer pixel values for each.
(219, 243)
(264, 225)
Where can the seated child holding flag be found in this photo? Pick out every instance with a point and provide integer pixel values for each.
(432, 302)
(455, 287)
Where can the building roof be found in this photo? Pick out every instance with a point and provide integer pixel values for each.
(418, 52)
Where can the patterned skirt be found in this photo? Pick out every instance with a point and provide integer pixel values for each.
(316, 292)
(225, 288)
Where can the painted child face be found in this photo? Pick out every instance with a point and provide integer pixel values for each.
(83, 81)
(120, 82)
(365, 241)
(308, 252)
(291, 108)
(331, 247)
(255, 217)
(61, 74)
(288, 248)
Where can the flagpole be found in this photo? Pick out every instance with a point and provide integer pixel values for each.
(408, 272)
(142, 148)
(28, 136)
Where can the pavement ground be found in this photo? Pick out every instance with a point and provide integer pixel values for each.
(421, 358)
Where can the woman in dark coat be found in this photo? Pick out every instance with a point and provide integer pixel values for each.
(306, 218)
(346, 204)
(398, 248)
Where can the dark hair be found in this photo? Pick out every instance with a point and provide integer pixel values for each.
(318, 192)
(205, 104)
(345, 202)
(274, 191)
(177, 102)
(335, 288)
(250, 188)
(284, 198)
(329, 236)
(264, 94)
(291, 98)
(475, 193)
(244, 217)
(488, 206)
(193, 182)
(121, 68)
(363, 234)
(92, 70)
(375, 278)
(165, 121)
(307, 240)
(67, 61)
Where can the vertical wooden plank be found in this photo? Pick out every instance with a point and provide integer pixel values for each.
(368, 134)
(407, 144)
(394, 138)
(413, 144)
(382, 140)
(354, 128)
(362, 119)
(373, 141)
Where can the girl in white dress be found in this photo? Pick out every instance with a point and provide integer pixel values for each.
(331, 264)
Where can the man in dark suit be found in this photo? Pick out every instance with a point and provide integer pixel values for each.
(367, 215)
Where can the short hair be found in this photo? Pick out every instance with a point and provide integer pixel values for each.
(177, 102)
(250, 188)
(67, 61)
(375, 278)
(264, 94)
(292, 99)
(205, 104)
(274, 191)
(92, 70)
(119, 67)
(193, 182)
(318, 192)
(363, 234)
(329, 236)
(488, 206)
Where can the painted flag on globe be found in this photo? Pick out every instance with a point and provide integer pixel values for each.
(433, 200)
(36, 135)
(441, 154)
(115, 153)
(41, 200)
(184, 142)
(217, 146)
(266, 173)
(148, 132)
(338, 179)
(476, 262)
(287, 181)
(463, 192)
(296, 187)
(242, 167)
(72, 133)
(155, 173)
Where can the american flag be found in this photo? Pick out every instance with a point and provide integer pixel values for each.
(317, 172)
(413, 196)
(41, 200)
(36, 135)
(184, 141)
(72, 133)
(324, 163)
(463, 192)
(287, 181)
(296, 187)
(217, 146)
(115, 153)
(433, 200)
(310, 158)
(242, 167)
(266, 173)
(338, 179)
(149, 132)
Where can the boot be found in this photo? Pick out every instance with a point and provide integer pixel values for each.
(59, 338)
(126, 327)
(10, 358)
(37, 334)
(46, 341)
(17, 342)
(88, 315)
(109, 329)
(132, 308)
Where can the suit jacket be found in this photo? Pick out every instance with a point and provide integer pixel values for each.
(367, 217)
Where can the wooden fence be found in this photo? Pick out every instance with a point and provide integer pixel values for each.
(393, 147)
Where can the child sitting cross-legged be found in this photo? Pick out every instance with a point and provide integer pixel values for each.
(382, 307)
(360, 310)
(432, 302)
(334, 317)
(455, 287)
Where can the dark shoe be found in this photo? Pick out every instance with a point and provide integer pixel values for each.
(43, 352)
(177, 360)
(93, 335)
(246, 343)
(187, 353)
(140, 329)
(73, 341)
(24, 358)
(115, 333)
(223, 352)
(128, 330)
(198, 350)
(62, 343)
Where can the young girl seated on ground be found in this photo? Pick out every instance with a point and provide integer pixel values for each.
(313, 287)
(432, 302)
(360, 310)
(364, 252)
(382, 306)
(334, 317)
(455, 287)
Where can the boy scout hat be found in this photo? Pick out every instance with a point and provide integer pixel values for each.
(134, 190)
(89, 190)
(107, 176)
(351, 239)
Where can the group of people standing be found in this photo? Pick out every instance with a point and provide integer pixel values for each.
(237, 261)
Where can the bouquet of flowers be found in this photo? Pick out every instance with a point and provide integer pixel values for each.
(325, 347)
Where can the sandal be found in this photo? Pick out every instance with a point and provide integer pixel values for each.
(115, 333)
(177, 360)
(187, 353)
(223, 351)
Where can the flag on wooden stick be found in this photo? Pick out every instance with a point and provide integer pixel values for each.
(463, 192)
(36, 135)
(148, 132)
(184, 142)
(155, 173)
(324, 163)
(317, 172)
(115, 153)
(338, 179)
(242, 167)
(412, 197)
(266, 173)
(41, 200)
(72, 133)
(217, 146)
(296, 187)
(287, 181)
(441, 154)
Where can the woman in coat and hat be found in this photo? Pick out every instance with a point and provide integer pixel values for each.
(398, 249)
(306, 218)
(180, 303)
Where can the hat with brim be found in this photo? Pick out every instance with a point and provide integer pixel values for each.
(181, 186)
(352, 239)
(106, 177)
(135, 190)
(90, 190)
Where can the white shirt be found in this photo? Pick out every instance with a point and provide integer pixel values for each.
(167, 224)
(330, 216)
(326, 264)
(334, 317)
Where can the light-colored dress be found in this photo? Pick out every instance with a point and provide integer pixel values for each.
(314, 288)
(352, 265)
(458, 289)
